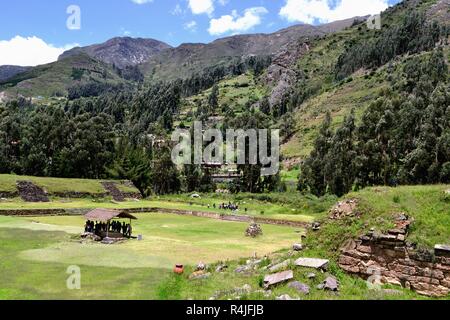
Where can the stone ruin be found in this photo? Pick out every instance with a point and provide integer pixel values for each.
(342, 209)
(253, 230)
(117, 195)
(393, 260)
(29, 192)
(113, 191)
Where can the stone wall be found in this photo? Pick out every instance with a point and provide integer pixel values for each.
(78, 195)
(33, 212)
(397, 262)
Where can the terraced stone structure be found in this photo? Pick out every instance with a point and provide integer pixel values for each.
(393, 260)
(29, 192)
(113, 191)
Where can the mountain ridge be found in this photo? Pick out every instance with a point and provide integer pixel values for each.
(9, 71)
(120, 51)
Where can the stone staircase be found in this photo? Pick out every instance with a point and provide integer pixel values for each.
(29, 192)
(113, 191)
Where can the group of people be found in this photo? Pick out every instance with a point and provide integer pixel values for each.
(229, 206)
(115, 226)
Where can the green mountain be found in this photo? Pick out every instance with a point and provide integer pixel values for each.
(55, 79)
(121, 51)
(135, 58)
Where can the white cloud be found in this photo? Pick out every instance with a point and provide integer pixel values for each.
(142, 1)
(191, 26)
(30, 51)
(201, 6)
(177, 10)
(235, 23)
(310, 11)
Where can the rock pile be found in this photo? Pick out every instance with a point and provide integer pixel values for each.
(344, 209)
(90, 237)
(29, 192)
(113, 191)
(253, 230)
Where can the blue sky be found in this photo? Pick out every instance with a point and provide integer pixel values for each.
(40, 26)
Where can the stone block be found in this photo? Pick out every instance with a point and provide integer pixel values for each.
(350, 268)
(277, 278)
(347, 260)
(312, 263)
(365, 249)
(442, 250)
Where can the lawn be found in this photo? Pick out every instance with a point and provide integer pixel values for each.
(59, 185)
(36, 266)
(37, 251)
(176, 202)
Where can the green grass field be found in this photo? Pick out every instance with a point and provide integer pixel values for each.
(36, 252)
(60, 185)
(303, 209)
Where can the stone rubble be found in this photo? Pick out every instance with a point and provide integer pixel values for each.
(29, 192)
(253, 230)
(197, 275)
(344, 209)
(300, 287)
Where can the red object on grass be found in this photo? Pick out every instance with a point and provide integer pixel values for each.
(179, 269)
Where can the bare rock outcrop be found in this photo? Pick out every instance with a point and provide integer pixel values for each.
(280, 75)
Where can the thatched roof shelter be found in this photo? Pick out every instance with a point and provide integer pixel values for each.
(105, 215)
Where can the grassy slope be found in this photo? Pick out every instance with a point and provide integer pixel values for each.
(55, 78)
(356, 92)
(234, 93)
(338, 98)
(428, 205)
(8, 184)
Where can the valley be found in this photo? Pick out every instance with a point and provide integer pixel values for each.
(359, 210)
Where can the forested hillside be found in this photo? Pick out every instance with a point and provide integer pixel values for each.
(356, 107)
